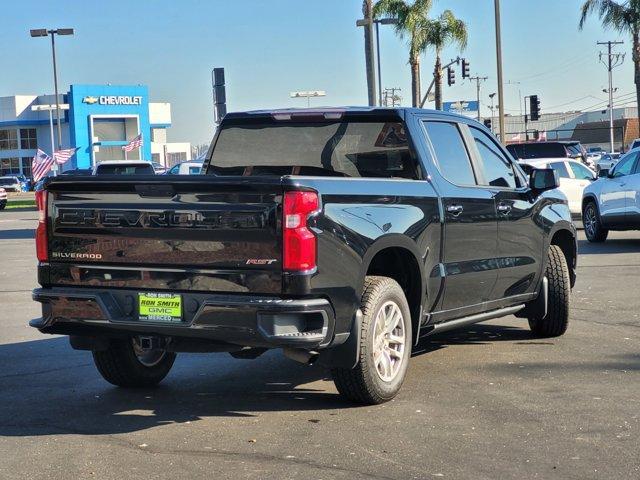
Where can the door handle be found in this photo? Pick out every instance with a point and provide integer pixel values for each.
(504, 208)
(455, 210)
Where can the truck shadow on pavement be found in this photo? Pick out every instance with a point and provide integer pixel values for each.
(18, 234)
(46, 388)
(610, 246)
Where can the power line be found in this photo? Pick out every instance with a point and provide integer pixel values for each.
(569, 64)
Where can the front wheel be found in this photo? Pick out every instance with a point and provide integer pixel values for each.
(556, 320)
(125, 364)
(592, 224)
(385, 345)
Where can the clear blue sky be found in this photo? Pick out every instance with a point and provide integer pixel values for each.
(271, 47)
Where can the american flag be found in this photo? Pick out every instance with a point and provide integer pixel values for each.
(133, 144)
(61, 156)
(40, 165)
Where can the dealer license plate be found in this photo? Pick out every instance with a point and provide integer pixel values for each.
(160, 307)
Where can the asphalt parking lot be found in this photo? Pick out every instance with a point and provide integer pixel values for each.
(487, 403)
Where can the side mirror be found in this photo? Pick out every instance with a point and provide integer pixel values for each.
(542, 179)
(603, 173)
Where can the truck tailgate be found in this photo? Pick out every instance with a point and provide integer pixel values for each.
(197, 233)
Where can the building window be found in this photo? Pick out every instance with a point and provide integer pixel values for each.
(175, 157)
(155, 157)
(26, 166)
(28, 139)
(8, 139)
(9, 166)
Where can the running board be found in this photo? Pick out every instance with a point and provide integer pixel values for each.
(465, 321)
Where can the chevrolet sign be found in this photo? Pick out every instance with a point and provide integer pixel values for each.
(113, 100)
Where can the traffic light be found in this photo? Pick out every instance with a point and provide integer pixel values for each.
(219, 94)
(534, 107)
(451, 76)
(487, 123)
(465, 68)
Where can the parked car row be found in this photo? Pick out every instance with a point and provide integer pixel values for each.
(128, 167)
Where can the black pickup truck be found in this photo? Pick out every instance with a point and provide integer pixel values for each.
(342, 236)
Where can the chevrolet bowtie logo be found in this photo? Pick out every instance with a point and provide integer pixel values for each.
(90, 100)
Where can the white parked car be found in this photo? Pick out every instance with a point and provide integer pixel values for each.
(11, 184)
(613, 201)
(124, 167)
(159, 168)
(3, 198)
(574, 178)
(607, 161)
(185, 168)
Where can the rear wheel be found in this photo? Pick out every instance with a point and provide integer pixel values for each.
(385, 345)
(125, 364)
(592, 225)
(556, 320)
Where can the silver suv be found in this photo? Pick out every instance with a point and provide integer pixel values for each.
(613, 201)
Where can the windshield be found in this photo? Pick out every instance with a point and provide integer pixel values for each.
(537, 150)
(113, 169)
(347, 149)
(8, 181)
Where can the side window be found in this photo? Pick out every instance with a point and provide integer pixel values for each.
(174, 170)
(625, 165)
(580, 171)
(561, 168)
(498, 171)
(451, 154)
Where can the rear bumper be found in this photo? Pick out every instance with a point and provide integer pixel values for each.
(227, 320)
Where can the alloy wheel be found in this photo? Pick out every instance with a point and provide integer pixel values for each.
(389, 338)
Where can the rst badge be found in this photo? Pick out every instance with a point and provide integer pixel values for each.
(260, 261)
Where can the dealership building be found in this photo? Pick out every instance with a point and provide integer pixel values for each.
(97, 119)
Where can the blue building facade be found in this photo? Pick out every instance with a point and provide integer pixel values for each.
(104, 118)
(99, 121)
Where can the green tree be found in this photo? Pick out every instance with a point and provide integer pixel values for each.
(441, 32)
(412, 24)
(623, 17)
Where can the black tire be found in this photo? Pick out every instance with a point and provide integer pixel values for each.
(119, 365)
(556, 321)
(593, 228)
(364, 384)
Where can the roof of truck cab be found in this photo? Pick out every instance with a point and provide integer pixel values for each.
(346, 110)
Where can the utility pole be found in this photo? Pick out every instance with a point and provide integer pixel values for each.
(499, 63)
(478, 79)
(369, 49)
(613, 60)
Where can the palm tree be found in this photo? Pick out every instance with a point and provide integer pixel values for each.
(412, 23)
(444, 30)
(623, 17)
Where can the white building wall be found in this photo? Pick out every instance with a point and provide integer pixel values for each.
(159, 113)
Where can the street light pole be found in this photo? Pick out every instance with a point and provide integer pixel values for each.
(499, 62)
(55, 87)
(43, 32)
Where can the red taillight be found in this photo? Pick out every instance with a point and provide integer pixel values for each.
(41, 231)
(299, 243)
